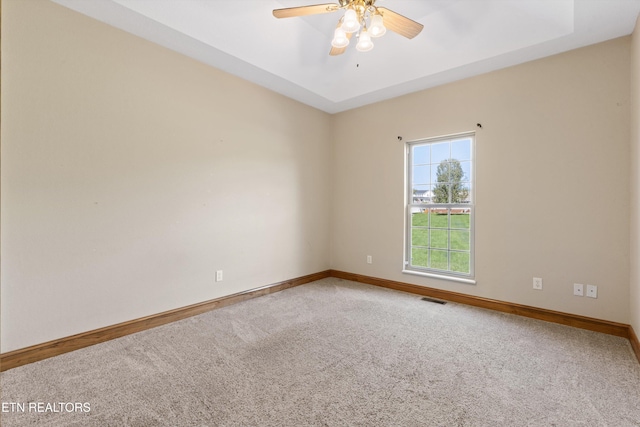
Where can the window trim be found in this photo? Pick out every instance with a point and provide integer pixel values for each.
(454, 278)
(425, 271)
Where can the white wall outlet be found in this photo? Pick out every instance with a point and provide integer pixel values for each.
(369, 259)
(592, 291)
(537, 283)
(578, 289)
(219, 276)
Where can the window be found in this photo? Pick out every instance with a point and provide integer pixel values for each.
(440, 204)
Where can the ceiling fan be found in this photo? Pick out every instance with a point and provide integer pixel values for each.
(361, 17)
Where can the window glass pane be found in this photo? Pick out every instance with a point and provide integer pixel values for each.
(440, 151)
(463, 193)
(441, 193)
(459, 192)
(461, 149)
(440, 172)
(421, 154)
(420, 237)
(421, 174)
(422, 194)
(460, 262)
(460, 218)
(439, 218)
(439, 238)
(466, 171)
(460, 240)
(420, 219)
(420, 188)
(419, 257)
(438, 259)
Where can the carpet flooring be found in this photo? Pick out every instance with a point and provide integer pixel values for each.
(336, 353)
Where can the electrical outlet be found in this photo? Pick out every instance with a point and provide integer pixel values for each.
(578, 289)
(219, 276)
(369, 259)
(592, 291)
(537, 283)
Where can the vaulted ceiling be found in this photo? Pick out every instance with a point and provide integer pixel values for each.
(461, 38)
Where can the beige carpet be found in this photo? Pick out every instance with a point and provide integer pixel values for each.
(337, 353)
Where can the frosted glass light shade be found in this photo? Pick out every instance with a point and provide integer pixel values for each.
(350, 23)
(339, 38)
(377, 28)
(364, 42)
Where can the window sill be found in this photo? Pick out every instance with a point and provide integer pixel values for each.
(440, 276)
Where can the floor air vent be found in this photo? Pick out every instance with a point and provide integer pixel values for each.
(433, 300)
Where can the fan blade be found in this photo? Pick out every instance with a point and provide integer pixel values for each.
(400, 24)
(335, 51)
(305, 10)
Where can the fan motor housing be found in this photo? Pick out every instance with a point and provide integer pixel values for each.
(366, 3)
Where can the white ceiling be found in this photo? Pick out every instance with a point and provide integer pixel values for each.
(461, 38)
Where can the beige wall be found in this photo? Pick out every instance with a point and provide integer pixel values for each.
(635, 179)
(552, 180)
(131, 173)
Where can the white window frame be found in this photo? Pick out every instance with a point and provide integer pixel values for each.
(410, 205)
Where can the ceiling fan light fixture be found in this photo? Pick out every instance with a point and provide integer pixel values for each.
(361, 17)
(364, 42)
(351, 24)
(340, 38)
(377, 28)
